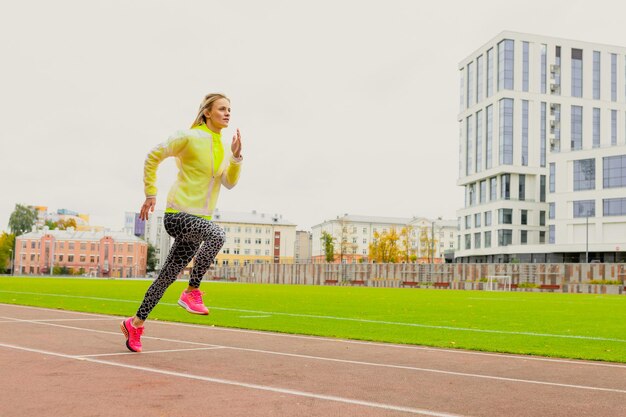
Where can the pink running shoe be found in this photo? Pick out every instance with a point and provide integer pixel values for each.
(133, 335)
(192, 302)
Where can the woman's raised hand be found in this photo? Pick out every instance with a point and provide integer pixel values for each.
(235, 147)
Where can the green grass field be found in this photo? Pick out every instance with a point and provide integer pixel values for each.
(550, 324)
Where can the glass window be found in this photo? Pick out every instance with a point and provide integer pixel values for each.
(506, 131)
(524, 66)
(523, 216)
(613, 127)
(542, 135)
(468, 222)
(505, 186)
(505, 216)
(551, 234)
(477, 240)
(468, 241)
(542, 218)
(613, 77)
(552, 177)
(614, 171)
(577, 72)
(522, 187)
(542, 237)
(461, 142)
(469, 146)
(556, 74)
(585, 208)
(487, 239)
(614, 207)
(462, 88)
(479, 141)
(487, 218)
(505, 65)
(596, 75)
(470, 84)
(493, 186)
(544, 67)
(525, 132)
(577, 128)
(596, 127)
(489, 137)
(555, 127)
(477, 220)
(585, 174)
(551, 211)
(483, 191)
(542, 188)
(505, 237)
(479, 79)
(489, 89)
(523, 237)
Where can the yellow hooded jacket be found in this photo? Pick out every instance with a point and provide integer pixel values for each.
(201, 171)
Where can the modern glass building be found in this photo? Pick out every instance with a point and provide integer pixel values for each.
(542, 151)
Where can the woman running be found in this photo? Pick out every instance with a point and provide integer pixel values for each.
(202, 170)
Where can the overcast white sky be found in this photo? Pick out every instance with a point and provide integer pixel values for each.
(344, 106)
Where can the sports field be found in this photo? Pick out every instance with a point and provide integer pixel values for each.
(581, 326)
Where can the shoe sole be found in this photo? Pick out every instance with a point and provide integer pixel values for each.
(125, 331)
(186, 307)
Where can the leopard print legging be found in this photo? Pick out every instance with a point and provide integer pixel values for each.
(193, 236)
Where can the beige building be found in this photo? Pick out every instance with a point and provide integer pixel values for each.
(255, 237)
(433, 240)
(302, 250)
(353, 235)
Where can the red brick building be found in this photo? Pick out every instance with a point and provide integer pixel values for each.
(92, 253)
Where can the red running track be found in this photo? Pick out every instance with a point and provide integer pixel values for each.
(61, 363)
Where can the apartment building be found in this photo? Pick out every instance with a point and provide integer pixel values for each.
(542, 151)
(93, 253)
(430, 240)
(302, 249)
(255, 237)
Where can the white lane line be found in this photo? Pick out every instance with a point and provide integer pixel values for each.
(252, 317)
(389, 407)
(352, 362)
(163, 339)
(343, 341)
(314, 316)
(57, 320)
(150, 351)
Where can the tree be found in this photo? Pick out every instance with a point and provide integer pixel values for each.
(67, 223)
(7, 250)
(427, 243)
(22, 219)
(51, 225)
(328, 246)
(408, 253)
(151, 262)
(384, 248)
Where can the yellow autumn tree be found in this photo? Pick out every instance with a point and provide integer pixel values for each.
(385, 248)
(407, 253)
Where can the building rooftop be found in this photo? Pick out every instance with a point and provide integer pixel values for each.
(252, 217)
(81, 235)
(355, 218)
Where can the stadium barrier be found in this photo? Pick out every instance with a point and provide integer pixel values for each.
(570, 278)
